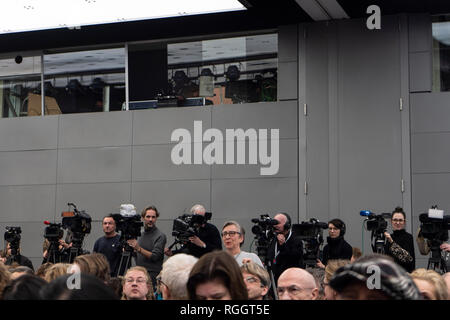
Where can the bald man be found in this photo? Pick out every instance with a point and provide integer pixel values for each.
(297, 284)
(446, 277)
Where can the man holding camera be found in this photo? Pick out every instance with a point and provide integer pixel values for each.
(150, 247)
(208, 238)
(109, 244)
(285, 250)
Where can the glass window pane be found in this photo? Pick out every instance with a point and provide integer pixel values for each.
(20, 86)
(84, 81)
(441, 53)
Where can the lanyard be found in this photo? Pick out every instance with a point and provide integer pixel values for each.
(276, 244)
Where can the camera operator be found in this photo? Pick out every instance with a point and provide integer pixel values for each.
(208, 238)
(16, 257)
(109, 244)
(62, 247)
(336, 247)
(150, 247)
(285, 250)
(400, 244)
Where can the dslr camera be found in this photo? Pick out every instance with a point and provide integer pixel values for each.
(188, 225)
(128, 222)
(311, 232)
(264, 233)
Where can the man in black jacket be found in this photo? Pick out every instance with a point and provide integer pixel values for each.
(285, 251)
(207, 240)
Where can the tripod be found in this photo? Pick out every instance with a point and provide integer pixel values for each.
(378, 242)
(273, 288)
(76, 249)
(54, 255)
(436, 261)
(125, 259)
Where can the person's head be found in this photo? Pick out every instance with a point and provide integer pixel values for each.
(149, 216)
(5, 278)
(284, 223)
(56, 270)
(116, 285)
(43, 269)
(232, 236)
(216, 276)
(137, 285)
(431, 284)
(198, 209)
(356, 254)
(256, 279)
(95, 264)
(319, 275)
(9, 250)
(25, 287)
(20, 271)
(174, 276)
(90, 288)
(297, 284)
(446, 277)
(330, 269)
(398, 219)
(336, 228)
(360, 280)
(109, 226)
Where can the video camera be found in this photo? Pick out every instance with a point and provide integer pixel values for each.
(434, 225)
(12, 236)
(264, 233)
(53, 232)
(188, 225)
(377, 224)
(128, 222)
(311, 232)
(78, 222)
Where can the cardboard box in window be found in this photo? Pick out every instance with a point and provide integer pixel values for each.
(34, 105)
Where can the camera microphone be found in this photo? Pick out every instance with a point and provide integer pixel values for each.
(47, 222)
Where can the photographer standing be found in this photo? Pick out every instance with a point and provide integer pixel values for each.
(109, 244)
(150, 247)
(16, 257)
(285, 250)
(336, 247)
(208, 238)
(400, 244)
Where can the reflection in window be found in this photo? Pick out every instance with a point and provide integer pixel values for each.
(20, 86)
(84, 81)
(441, 53)
(224, 71)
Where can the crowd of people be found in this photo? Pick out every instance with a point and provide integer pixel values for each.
(204, 270)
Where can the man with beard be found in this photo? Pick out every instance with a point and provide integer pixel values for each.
(150, 247)
(109, 244)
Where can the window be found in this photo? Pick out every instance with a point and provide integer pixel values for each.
(441, 53)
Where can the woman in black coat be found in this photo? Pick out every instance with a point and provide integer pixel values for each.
(336, 247)
(400, 244)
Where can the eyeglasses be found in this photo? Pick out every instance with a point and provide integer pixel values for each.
(251, 280)
(229, 233)
(398, 220)
(291, 290)
(159, 282)
(138, 280)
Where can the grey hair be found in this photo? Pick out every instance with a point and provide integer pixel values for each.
(175, 274)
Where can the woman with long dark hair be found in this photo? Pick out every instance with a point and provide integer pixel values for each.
(336, 247)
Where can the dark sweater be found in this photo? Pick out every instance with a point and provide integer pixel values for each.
(336, 248)
(402, 249)
(152, 240)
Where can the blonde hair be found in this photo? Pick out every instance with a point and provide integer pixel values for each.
(332, 267)
(435, 279)
(95, 264)
(256, 270)
(55, 271)
(150, 295)
(5, 278)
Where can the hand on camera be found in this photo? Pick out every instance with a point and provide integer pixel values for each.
(196, 240)
(445, 247)
(281, 239)
(388, 237)
(168, 252)
(320, 264)
(133, 243)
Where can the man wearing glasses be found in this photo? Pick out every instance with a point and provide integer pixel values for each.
(233, 236)
(256, 279)
(400, 244)
(297, 284)
(137, 285)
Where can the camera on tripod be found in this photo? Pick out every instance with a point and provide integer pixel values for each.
(311, 233)
(78, 222)
(188, 225)
(377, 224)
(12, 236)
(264, 233)
(128, 222)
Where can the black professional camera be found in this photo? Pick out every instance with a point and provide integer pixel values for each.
(188, 225)
(311, 232)
(53, 232)
(377, 224)
(128, 222)
(12, 236)
(434, 228)
(264, 233)
(78, 222)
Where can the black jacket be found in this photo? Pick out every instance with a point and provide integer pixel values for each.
(402, 249)
(290, 255)
(210, 235)
(21, 260)
(336, 248)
